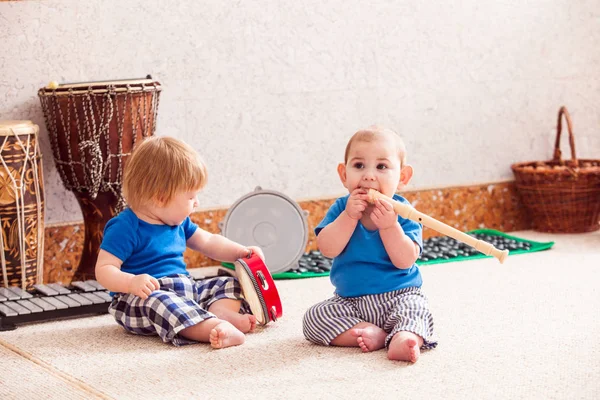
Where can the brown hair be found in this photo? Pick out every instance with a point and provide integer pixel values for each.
(373, 133)
(159, 168)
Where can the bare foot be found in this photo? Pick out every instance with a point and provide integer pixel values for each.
(225, 335)
(244, 322)
(229, 310)
(370, 338)
(405, 346)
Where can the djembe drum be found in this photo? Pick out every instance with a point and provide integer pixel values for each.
(21, 205)
(93, 127)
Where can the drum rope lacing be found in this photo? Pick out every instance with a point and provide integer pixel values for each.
(20, 211)
(98, 111)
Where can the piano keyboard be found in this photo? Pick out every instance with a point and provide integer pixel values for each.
(50, 302)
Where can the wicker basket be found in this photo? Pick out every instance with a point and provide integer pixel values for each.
(561, 196)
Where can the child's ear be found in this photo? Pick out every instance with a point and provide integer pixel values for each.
(159, 200)
(405, 175)
(341, 169)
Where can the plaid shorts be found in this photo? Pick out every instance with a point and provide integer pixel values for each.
(180, 302)
(400, 310)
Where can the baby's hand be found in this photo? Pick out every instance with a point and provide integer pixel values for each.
(383, 215)
(143, 285)
(255, 250)
(357, 203)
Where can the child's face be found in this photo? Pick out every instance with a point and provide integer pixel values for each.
(373, 165)
(179, 208)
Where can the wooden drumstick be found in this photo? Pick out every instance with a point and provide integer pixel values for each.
(408, 212)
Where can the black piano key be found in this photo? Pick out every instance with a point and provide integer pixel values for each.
(20, 292)
(45, 290)
(17, 307)
(83, 286)
(30, 306)
(80, 299)
(59, 288)
(7, 311)
(9, 294)
(43, 304)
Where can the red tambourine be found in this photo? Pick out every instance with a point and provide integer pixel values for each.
(259, 289)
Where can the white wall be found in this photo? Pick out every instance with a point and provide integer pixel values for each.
(269, 91)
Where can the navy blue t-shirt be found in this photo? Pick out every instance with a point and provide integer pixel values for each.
(147, 248)
(364, 267)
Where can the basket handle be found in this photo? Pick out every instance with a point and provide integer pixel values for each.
(557, 152)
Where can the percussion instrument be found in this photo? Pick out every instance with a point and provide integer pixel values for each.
(50, 302)
(21, 205)
(271, 221)
(259, 289)
(408, 212)
(93, 127)
(54, 301)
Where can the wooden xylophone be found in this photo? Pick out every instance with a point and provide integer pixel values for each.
(50, 302)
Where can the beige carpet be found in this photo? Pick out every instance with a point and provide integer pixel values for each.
(527, 329)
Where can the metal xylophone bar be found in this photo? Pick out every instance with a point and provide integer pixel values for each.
(50, 302)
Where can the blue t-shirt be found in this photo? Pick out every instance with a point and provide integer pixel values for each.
(364, 267)
(147, 248)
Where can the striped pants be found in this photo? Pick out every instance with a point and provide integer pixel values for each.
(400, 310)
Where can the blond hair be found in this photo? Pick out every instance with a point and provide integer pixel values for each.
(159, 168)
(373, 133)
